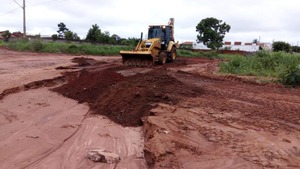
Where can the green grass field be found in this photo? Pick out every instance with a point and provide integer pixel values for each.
(69, 48)
(283, 66)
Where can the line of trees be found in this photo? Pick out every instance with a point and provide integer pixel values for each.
(211, 32)
(285, 47)
(94, 35)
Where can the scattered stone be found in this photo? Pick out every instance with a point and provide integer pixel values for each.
(103, 156)
(286, 140)
(166, 131)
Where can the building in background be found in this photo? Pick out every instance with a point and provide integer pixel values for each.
(14, 35)
(186, 45)
(236, 46)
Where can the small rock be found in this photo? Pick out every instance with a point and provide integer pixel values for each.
(212, 139)
(101, 155)
(286, 140)
(166, 131)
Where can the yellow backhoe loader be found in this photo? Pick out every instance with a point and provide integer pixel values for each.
(159, 47)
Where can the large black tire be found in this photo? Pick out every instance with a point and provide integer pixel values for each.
(173, 54)
(162, 58)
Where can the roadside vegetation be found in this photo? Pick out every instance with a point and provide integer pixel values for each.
(69, 48)
(190, 53)
(280, 65)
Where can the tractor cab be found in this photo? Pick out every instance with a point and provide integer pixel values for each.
(164, 32)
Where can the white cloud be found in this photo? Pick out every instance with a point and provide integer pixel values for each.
(268, 19)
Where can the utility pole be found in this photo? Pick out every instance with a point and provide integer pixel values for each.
(24, 20)
(24, 17)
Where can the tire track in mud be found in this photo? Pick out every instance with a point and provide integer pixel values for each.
(232, 108)
(255, 99)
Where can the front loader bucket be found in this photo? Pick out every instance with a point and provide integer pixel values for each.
(137, 58)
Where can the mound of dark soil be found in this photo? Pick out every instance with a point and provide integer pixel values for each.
(87, 86)
(125, 100)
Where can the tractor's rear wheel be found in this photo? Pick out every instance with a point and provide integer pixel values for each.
(173, 54)
(162, 58)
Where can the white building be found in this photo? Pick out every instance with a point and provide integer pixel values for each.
(239, 46)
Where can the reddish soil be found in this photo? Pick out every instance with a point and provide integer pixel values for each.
(192, 117)
(126, 100)
(241, 106)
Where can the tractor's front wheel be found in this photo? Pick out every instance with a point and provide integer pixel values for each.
(162, 58)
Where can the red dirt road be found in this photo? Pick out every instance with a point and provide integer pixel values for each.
(190, 117)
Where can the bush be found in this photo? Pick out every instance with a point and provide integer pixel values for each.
(6, 35)
(207, 54)
(296, 49)
(36, 45)
(54, 37)
(71, 48)
(280, 65)
(21, 45)
(281, 46)
(291, 76)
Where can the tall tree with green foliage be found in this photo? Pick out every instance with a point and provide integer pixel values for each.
(94, 34)
(6, 35)
(281, 46)
(62, 29)
(212, 32)
(69, 35)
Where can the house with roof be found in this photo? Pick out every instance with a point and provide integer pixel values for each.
(236, 46)
(186, 45)
(14, 35)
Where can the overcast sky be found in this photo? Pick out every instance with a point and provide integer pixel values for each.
(249, 19)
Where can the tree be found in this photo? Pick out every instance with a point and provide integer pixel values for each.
(295, 49)
(106, 38)
(69, 35)
(94, 34)
(6, 35)
(212, 32)
(54, 37)
(281, 46)
(62, 28)
(129, 41)
(116, 37)
(75, 36)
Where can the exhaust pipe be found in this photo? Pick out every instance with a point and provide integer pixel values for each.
(141, 36)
